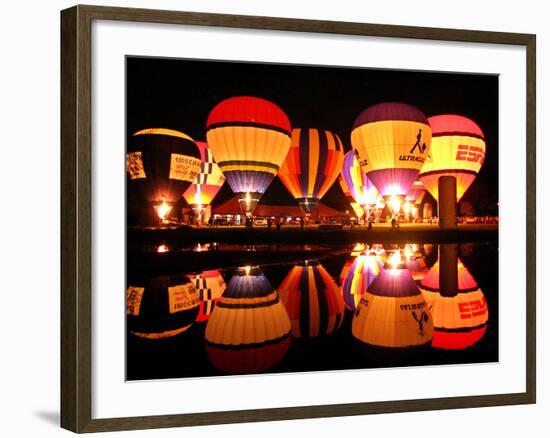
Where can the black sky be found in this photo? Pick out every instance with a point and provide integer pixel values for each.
(179, 94)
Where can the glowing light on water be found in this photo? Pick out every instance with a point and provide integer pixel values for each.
(394, 260)
(163, 248)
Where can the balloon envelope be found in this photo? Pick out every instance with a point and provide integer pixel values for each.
(345, 188)
(416, 193)
(458, 149)
(208, 181)
(360, 186)
(249, 138)
(312, 165)
(160, 165)
(391, 140)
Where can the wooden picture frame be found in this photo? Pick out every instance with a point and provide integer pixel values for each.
(76, 217)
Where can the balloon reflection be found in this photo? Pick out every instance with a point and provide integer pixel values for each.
(162, 307)
(392, 312)
(415, 261)
(312, 299)
(458, 305)
(249, 329)
(361, 273)
(210, 286)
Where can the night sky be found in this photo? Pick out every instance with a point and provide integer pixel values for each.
(179, 94)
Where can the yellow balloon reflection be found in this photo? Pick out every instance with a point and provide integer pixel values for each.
(249, 329)
(393, 313)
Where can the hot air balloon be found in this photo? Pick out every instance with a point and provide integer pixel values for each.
(391, 141)
(414, 199)
(206, 184)
(312, 299)
(393, 312)
(416, 193)
(161, 307)
(460, 319)
(360, 276)
(210, 286)
(249, 138)
(458, 149)
(248, 330)
(160, 164)
(312, 165)
(357, 209)
(345, 188)
(360, 186)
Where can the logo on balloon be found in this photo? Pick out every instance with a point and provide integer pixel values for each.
(362, 163)
(421, 147)
(418, 148)
(471, 309)
(474, 154)
(420, 320)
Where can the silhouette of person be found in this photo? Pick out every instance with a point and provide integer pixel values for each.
(421, 147)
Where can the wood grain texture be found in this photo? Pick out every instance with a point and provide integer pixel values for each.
(69, 328)
(76, 225)
(531, 239)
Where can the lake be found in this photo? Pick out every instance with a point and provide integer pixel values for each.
(212, 309)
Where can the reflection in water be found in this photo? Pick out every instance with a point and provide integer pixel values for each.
(459, 311)
(162, 307)
(358, 277)
(415, 262)
(428, 248)
(312, 299)
(395, 303)
(249, 329)
(210, 286)
(393, 312)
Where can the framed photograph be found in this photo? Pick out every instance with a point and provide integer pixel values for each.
(269, 218)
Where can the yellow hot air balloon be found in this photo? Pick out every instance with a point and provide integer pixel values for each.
(391, 140)
(249, 329)
(458, 149)
(249, 138)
